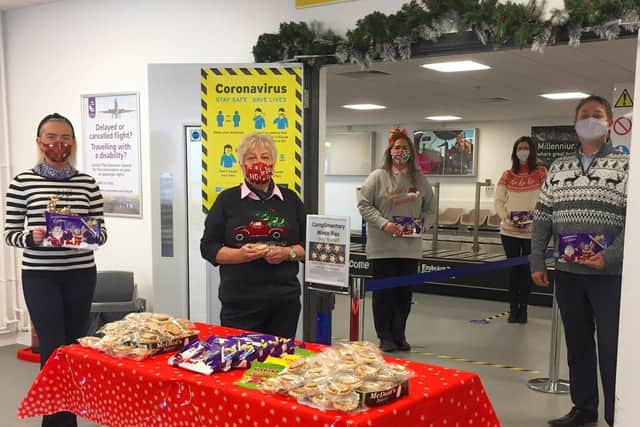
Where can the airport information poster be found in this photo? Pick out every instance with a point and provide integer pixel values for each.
(238, 100)
(111, 149)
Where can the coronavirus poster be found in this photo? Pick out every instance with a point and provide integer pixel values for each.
(111, 147)
(236, 101)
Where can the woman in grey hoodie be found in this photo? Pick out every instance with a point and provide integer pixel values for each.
(397, 203)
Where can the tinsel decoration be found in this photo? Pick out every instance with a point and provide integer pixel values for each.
(541, 41)
(500, 23)
(388, 52)
(429, 33)
(558, 17)
(403, 45)
(575, 34)
(607, 31)
(630, 21)
(342, 53)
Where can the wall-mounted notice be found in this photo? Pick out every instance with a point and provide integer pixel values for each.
(111, 147)
(554, 141)
(237, 100)
(327, 251)
(622, 102)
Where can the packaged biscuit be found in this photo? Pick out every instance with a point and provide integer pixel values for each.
(140, 335)
(347, 377)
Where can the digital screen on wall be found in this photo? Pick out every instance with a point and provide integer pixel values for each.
(553, 142)
(450, 152)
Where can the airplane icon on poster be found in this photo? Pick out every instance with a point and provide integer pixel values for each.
(115, 111)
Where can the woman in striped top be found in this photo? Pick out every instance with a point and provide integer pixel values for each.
(58, 283)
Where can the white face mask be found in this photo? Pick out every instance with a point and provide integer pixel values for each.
(591, 130)
(522, 155)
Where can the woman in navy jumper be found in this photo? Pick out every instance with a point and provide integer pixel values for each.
(255, 233)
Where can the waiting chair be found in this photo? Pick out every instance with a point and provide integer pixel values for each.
(468, 218)
(450, 217)
(494, 221)
(115, 297)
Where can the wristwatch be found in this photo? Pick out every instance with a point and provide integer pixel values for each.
(292, 254)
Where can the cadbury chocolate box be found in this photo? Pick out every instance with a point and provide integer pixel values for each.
(581, 246)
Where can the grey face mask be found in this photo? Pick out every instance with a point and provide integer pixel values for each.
(591, 130)
(522, 155)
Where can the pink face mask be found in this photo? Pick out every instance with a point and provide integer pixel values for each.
(259, 173)
(57, 152)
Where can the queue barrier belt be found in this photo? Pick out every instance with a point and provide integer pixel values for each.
(447, 274)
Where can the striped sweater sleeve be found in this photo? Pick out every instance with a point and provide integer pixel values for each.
(542, 226)
(15, 233)
(96, 210)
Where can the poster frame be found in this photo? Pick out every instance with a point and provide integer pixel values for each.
(138, 141)
(475, 145)
(301, 67)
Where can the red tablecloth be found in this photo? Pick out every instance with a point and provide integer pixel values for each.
(118, 392)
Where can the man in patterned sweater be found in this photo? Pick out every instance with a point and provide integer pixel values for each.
(582, 205)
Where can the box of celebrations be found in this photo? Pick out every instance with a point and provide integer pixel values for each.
(581, 246)
(411, 227)
(71, 231)
(521, 218)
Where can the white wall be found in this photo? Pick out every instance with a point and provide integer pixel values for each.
(628, 344)
(495, 141)
(58, 51)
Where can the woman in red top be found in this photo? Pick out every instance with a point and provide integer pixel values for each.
(516, 196)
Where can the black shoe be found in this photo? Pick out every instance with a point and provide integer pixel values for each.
(522, 314)
(403, 345)
(388, 346)
(513, 315)
(576, 418)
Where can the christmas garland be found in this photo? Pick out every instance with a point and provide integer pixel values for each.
(378, 36)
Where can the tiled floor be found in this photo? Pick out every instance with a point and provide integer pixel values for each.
(439, 326)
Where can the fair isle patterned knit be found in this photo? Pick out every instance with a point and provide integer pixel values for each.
(573, 200)
(518, 192)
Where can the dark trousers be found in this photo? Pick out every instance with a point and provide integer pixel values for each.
(391, 306)
(276, 316)
(590, 303)
(59, 303)
(520, 275)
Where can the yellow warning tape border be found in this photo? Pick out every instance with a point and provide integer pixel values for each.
(496, 316)
(477, 362)
(466, 360)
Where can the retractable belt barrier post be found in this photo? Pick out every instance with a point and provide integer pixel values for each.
(356, 325)
(552, 384)
(434, 229)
